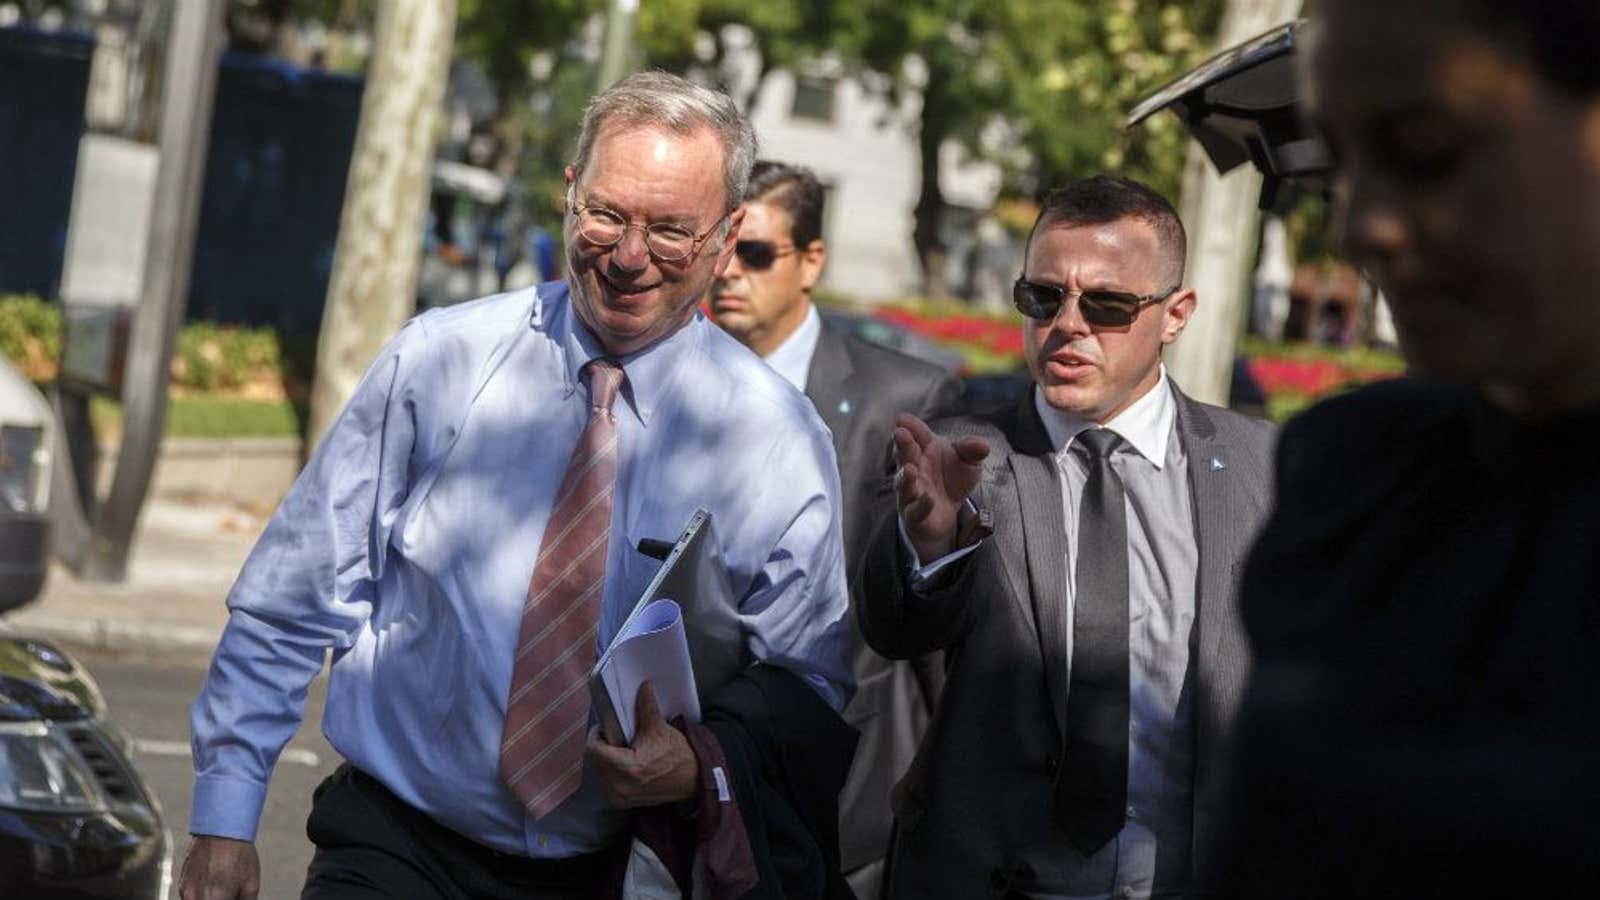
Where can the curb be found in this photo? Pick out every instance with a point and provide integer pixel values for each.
(114, 634)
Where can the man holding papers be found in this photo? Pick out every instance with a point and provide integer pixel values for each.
(464, 541)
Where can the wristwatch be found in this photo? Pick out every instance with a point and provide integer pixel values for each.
(973, 524)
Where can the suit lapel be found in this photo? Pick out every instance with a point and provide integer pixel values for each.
(1221, 513)
(1044, 530)
(831, 369)
(1211, 498)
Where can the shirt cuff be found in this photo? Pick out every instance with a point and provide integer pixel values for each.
(226, 807)
(833, 693)
(920, 573)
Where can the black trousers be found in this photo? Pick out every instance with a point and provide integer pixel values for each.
(372, 844)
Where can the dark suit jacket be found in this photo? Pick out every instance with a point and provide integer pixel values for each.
(783, 754)
(858, 388)
(1424, 720)
(982, 785)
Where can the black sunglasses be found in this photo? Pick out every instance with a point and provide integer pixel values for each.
(1110, 308)
(760, 254)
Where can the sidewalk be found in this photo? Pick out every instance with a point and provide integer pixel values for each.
(185, 557)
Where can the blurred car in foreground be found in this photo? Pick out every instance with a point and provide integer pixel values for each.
(76, 818)
(25, 433)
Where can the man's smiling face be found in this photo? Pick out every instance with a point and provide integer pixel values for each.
(627, 297)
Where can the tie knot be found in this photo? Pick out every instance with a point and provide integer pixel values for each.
(605, 379)
(1099, 442)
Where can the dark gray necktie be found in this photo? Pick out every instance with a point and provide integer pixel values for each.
(1092, 789)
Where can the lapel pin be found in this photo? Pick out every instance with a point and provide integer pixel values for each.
(1217, 465)
(844, 407)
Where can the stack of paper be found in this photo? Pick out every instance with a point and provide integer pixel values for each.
(653, 647)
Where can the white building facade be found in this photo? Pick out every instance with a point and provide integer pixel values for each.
(865, 152)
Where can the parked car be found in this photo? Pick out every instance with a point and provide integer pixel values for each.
(25, 434)
(76, 817)
(894, 337)
(982, 394)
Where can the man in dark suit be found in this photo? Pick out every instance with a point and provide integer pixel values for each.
(1424, 602)
(1094, 654)
(764, 300)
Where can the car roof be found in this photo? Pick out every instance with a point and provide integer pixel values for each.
(20, 402)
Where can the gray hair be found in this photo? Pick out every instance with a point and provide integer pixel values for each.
(662, 100)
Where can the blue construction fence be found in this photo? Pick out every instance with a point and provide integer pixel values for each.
(281, 140)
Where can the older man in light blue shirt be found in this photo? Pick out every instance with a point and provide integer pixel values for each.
(406, 546)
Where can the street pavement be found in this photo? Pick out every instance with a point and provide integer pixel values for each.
(149, 696)
(184, 559)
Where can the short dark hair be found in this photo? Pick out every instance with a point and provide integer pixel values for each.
(1557, 37)
(1103, 199)
(793, 189)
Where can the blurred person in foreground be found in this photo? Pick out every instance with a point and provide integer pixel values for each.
(764, 300)
(1094, 651)
(463, 541)
(1424, 717)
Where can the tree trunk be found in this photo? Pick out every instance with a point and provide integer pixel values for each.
(927, 232)
(373, 288)
(1222, 218)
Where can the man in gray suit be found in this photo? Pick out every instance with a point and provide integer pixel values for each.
(764, 300)
(1094, 655)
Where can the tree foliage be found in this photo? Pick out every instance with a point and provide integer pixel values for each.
(1039, 87)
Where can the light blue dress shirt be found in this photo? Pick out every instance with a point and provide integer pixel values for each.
(407, 544)
(792, 358)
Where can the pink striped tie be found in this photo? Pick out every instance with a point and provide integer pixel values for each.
(541, 750)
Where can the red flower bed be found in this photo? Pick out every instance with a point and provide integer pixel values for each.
(993, 335)
(1312, 377)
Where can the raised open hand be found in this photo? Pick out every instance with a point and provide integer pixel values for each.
(934, 477)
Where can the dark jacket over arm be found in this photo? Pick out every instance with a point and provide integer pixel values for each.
(785, 754)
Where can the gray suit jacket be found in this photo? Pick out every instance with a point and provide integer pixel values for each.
(982, 784)
(858, 388)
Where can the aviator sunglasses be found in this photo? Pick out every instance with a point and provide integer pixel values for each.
(760, 254)
(1109, 308)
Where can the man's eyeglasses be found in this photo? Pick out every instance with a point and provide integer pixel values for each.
(760, 255)
(666, 242)
(1108, 308)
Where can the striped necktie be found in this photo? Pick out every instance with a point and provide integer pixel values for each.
(541, 749)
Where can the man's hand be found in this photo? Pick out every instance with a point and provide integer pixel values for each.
(933, 480)
(220, 869)
(659, 768)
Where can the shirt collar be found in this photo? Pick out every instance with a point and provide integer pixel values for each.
(1145, 425)
(792, 358)
(649, 371)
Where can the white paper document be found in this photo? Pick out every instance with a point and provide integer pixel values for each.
(653, 647)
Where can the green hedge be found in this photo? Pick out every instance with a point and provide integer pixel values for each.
(226, 381)
(209, 358)
(30, 335)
